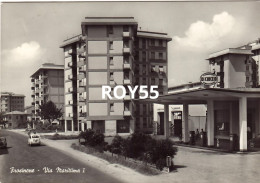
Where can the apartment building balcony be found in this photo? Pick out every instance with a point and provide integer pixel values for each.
(33, 87)
(45, 76)
(81, 76)
(127, 113)
(33, 103)
(71, 52)
(81, 89)
(126, 66)
(70, 64)
(81, 62)
(33, 95)
(83, 68)
(127, 81)
(126, 50)
(83, 114)
(82, 54)
(70, 76)
(70, 90)
(32, 80)
(37, 90)
(82, 86)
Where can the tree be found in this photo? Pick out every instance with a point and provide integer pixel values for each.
(49, 111)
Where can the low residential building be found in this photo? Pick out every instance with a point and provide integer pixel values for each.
(16, 119)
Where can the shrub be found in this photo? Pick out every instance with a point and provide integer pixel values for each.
(145, 148)
(92, 138)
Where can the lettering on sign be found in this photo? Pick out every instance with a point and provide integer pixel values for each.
(208, 79)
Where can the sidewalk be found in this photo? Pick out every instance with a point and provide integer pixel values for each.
(193, 165)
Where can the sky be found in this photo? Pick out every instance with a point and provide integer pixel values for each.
(31, 33)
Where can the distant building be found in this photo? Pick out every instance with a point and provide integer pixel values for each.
(11, 102)
(47, 85)
(237, 67)
(111, 51)
(16, 119)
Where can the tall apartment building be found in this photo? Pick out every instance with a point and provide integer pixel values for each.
(237, 67)
(110, 51)
(47, 85)
(11, 102)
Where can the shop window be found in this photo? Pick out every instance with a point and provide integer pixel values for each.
(123, 126)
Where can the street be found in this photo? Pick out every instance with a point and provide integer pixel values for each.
(22, 163)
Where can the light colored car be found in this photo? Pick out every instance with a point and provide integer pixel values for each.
(3, 142)
(34, 139)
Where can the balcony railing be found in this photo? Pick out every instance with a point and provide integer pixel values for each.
(70, 90)
(126, 34)
(127, 113)
(127, 81)
(126, 50)
(126, 66)
(70, 64)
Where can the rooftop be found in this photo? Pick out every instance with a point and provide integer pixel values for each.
(109, 21)
(11, 94)
(231, 51)
(158, 35)
(49, 66)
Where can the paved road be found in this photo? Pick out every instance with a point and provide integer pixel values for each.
(21, 156)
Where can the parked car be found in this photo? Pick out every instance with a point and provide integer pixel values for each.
(34, 139)
(3, 142)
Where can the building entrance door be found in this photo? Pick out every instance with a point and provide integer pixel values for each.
(177, 123)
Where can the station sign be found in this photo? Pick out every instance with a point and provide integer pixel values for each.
(208, 79)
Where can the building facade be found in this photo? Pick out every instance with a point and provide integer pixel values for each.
(15, 119)
(47, 85)
(110, 51)
(11, 102)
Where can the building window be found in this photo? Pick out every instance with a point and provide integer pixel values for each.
(160, 43)
(160, 55)
(144, 55)
(152, 55)
(111, 107)
(125, 28)
(111, 61)
(111, 76)
(247, 79)
(143, 43)
(110, 29)
(152, 42)
(111, 45)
